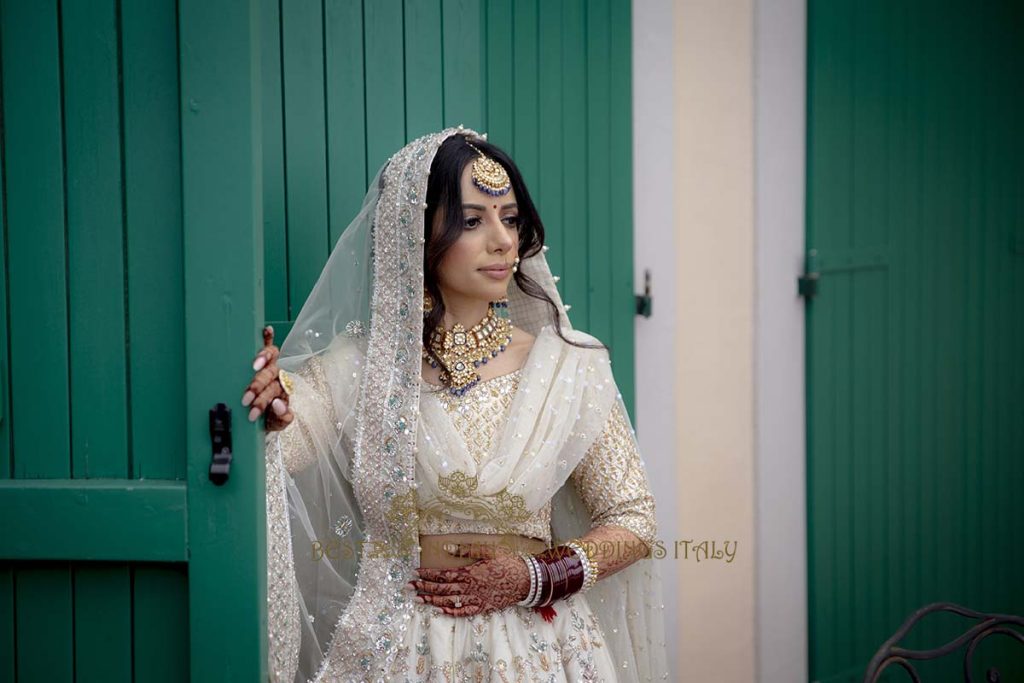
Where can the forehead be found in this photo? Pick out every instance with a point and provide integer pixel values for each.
(471, 194)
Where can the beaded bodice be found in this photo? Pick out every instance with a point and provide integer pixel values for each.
(477, 416)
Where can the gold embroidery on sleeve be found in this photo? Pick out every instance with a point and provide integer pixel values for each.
(612, 481)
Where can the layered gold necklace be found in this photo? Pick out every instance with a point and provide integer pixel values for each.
(465, 350)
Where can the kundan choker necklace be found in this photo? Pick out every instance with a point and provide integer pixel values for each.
(463, 350)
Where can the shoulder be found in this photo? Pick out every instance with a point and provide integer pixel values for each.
(582, 342)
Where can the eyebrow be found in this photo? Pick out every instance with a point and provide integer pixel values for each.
(480, 207)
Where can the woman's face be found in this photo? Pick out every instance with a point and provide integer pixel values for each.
(478, 266)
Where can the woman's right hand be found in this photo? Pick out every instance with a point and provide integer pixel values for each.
(265, 388)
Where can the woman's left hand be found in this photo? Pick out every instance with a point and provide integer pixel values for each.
(498, 579)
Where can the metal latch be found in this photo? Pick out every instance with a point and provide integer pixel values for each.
(220, 436)
(644, 303)
(808, 282)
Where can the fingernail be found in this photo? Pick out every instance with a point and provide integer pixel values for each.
(410, 586)
(247, 397)
(259, 362)
(270, 329)
(253, 414)
(450, 548)
(279, 407)
(419, 600)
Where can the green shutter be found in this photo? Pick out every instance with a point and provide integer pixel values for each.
(914, 374)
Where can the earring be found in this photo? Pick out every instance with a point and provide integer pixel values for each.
(428, 302)
(515, 266)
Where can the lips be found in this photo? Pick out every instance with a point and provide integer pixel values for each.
(497, 273)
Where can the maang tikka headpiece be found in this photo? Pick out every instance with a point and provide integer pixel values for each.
(489, 175)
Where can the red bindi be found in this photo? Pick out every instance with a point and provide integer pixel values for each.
(495, 206)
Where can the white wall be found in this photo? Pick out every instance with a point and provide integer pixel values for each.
(780, 134)
(654, 248)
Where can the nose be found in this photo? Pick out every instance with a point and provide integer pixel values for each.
(502, 238)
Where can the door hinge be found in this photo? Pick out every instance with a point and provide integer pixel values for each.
(807, 284)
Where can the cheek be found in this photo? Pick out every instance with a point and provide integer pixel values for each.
(458, 258)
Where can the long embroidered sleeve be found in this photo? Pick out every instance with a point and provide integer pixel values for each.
(612, 481)
(311, 403)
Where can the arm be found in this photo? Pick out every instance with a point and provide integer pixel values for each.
(612, 482)
(311, 404)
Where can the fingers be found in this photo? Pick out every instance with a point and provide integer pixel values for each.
(452, 601)
(275, 423)
(438, 588)
(263, 379)
(269, 352)
(467, 611)
(441, 575)
(266, 356)
(260, 403)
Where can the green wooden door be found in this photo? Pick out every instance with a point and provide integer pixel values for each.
(130, 303)
(348, 83)
(914, 382)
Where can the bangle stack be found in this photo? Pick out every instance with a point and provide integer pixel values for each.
(558, 572)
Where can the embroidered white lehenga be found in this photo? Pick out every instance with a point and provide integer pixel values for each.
(376, 456)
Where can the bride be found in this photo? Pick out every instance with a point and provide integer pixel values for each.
(454, 490)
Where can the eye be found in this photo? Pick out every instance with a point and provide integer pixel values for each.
(512, 221)
(471, 222)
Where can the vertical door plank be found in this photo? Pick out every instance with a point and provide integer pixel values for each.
(525, 105)
(621, 158)
(599, 172)
(160, 623)
(499, 82)
(424, 82)
(153, 214)
(222, 210)
(549, 187)
(385, 82)
(7, 649)
(44, 623)
(346, 113)
(576, 185)
(36, 259)
(463, 63)
(96, 285)
(275, 223)
(103, 619)
(305, 146)
(6, 436)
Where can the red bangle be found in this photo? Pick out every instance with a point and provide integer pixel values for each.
(564, 573)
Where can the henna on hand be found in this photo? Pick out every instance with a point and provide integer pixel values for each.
(497, 580)
(265, 390)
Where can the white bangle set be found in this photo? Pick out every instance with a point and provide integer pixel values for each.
(533, 597)
(589, 566)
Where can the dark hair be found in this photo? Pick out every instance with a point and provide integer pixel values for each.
(444, 193)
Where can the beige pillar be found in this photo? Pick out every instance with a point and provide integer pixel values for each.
(715, 280)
